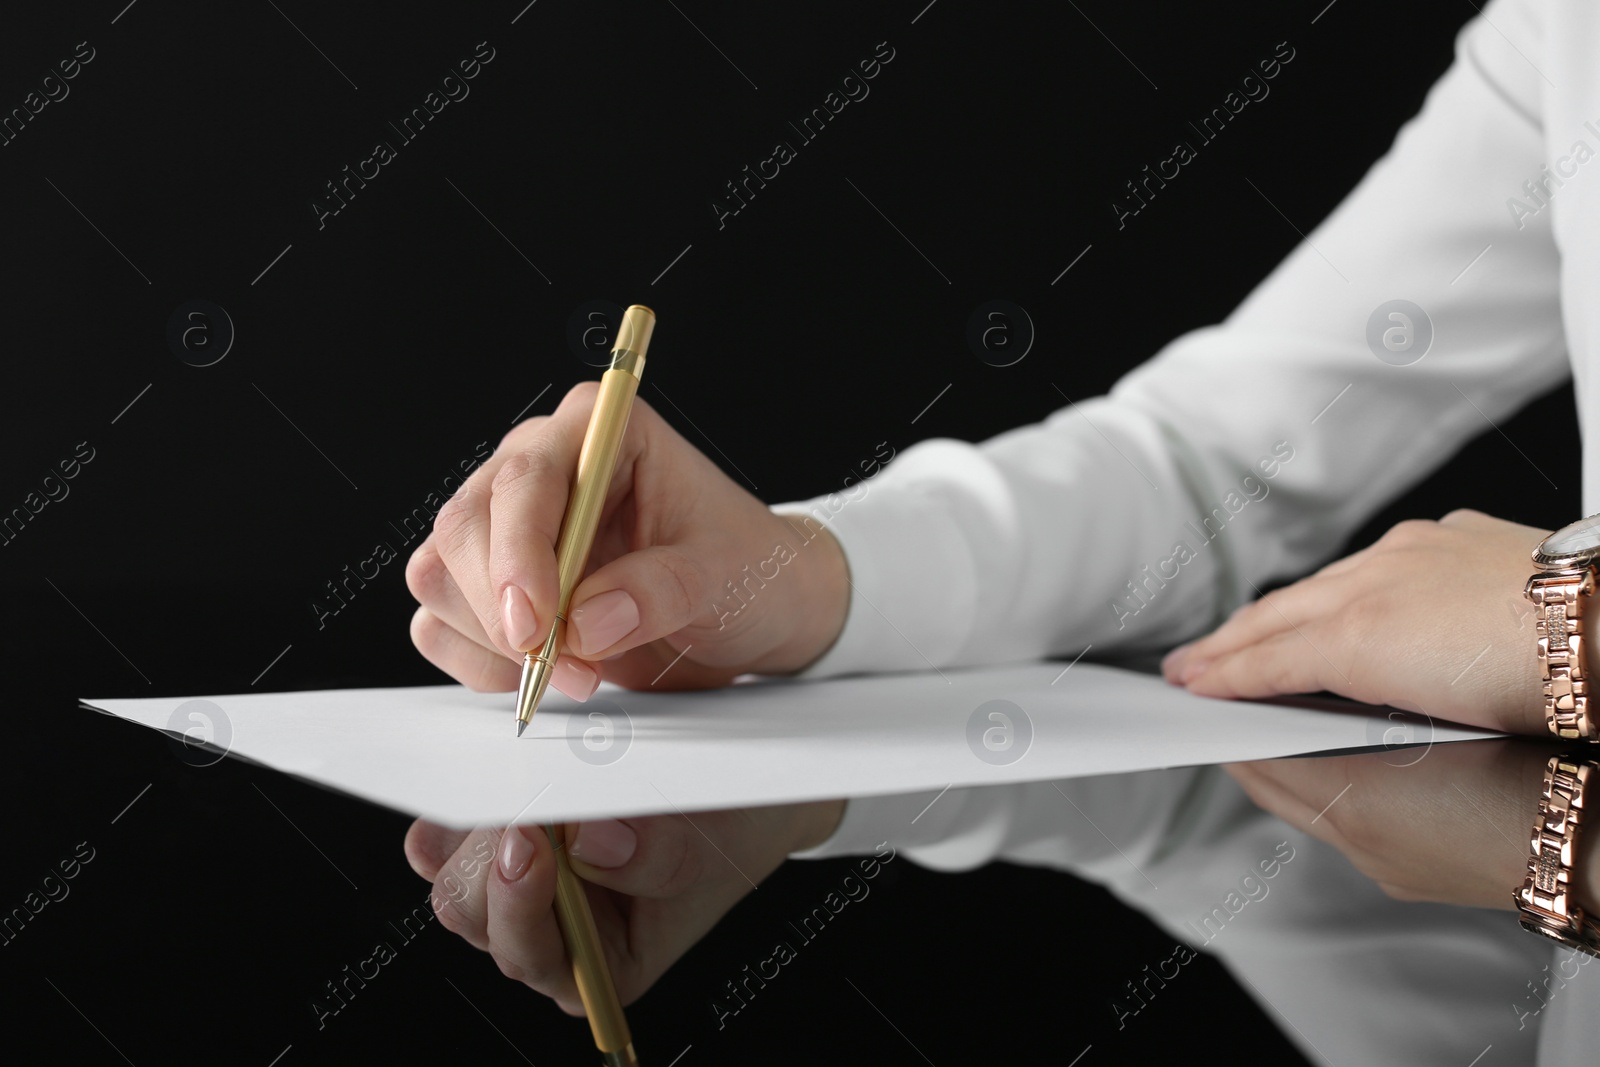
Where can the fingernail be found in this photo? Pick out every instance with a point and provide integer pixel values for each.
(1191, 671)
(516, 853)
(1172, 662)
(516, 615)
(605, 843)
(603, 621)
(574, 679)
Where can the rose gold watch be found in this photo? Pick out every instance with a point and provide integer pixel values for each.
(1545, 902)
(1560, 589)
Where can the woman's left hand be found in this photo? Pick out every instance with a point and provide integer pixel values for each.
(1431, 618)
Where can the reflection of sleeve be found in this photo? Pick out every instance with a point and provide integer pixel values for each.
(1351, 976)
(1243, 451)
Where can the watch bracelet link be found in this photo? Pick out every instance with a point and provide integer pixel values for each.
(1545, 903)
(1559, 626)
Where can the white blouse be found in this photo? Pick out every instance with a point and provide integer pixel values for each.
(1242, 453)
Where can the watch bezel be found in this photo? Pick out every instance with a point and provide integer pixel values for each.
(1579, 560)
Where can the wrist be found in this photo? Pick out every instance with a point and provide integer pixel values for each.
(817, 602)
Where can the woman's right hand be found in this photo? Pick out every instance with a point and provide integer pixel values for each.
(675, 538)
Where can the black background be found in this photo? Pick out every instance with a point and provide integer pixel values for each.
(414, 325)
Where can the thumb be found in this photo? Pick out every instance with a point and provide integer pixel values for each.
(636, 599)
(656, 857)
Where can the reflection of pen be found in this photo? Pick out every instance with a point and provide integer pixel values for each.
(590, 972)
(597, 460)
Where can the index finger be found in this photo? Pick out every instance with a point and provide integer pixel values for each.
(528, 506)
(461, 532)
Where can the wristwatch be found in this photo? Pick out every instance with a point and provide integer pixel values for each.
(1566, 562)
(1544, 903)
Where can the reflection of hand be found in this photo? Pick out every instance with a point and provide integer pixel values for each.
(656, 885)
(1453, 827)
(1431, 618)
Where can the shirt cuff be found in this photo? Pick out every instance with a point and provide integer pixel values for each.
(913, 589)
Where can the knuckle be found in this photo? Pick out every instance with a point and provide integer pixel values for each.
(509, 967)
(459, 516)
(686, 579)
(447, 907)
(1240, 672)
(518, 466)
(426, 573)
(582, 393)
(1460, 516)
(1409, 532)
(485, 842)
(425, 627)
(1247, 671)
(1283, 670)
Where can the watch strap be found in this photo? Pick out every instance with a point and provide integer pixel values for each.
(1545, 902)
(1558, 622)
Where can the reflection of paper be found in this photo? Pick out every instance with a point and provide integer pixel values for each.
(451, 755)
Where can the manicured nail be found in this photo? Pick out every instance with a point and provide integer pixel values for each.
(574, 679)
(605, 843)
(603, 621)
(1191, 671)
(521, 624)
(516, 853)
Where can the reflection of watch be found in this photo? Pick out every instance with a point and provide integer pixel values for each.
(1566, 561)
(1545, 900)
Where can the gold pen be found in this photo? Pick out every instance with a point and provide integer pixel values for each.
(597, 461)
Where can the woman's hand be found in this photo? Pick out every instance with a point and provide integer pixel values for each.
(676, 538)
(1431, 618)
(655, 885)
(1451, 826)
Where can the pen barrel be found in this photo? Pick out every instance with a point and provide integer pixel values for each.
(596, 462)
(589, 968)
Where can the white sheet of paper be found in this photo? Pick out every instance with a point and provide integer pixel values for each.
(451, 755)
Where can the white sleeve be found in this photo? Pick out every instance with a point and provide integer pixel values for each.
(1059, 535)
(1244, 451)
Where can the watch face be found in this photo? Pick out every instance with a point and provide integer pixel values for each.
(1575, 544)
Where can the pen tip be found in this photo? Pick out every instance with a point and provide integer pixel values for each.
(521, 726)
